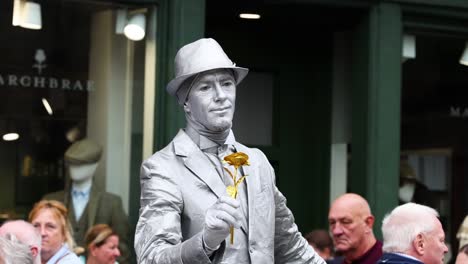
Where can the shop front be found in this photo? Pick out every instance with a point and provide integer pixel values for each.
(72, 70)
(338, 103)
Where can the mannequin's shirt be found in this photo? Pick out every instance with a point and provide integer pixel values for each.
(80, 199)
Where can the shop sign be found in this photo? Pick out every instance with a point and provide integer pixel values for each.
(40, 81)
(456, 111)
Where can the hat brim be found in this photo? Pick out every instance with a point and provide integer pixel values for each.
(174, 85)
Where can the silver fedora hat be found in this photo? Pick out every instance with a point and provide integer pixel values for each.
(199, 56)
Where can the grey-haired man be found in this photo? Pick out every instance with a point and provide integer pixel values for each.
(25, 233)
(14, 251)
(185, 213)
(413, 234)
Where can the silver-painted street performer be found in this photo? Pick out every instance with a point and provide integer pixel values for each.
(206, 198)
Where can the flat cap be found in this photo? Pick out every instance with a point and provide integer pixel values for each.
(406, 171)
(83, 152)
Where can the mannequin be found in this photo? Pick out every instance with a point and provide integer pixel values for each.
(411, 189)
(88, 205)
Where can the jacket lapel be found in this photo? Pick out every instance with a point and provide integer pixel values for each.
(93, 204)
(198, 163)
(71, 214)
(251, 181)
(207, 174)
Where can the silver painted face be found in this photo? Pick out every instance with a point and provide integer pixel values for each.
(211, 100)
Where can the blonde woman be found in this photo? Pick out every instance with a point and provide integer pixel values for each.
(102, 245)
(50, 219)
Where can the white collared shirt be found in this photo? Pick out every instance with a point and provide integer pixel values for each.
(80, 199)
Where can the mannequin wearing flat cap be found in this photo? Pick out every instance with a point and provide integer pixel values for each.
(86, 203)
(411, 189)
(186, 213)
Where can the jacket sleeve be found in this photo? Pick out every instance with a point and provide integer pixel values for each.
(158, 237)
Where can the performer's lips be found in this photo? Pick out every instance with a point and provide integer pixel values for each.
(220, 109)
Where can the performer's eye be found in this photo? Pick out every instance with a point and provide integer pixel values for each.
(228, 83)
(204, 88)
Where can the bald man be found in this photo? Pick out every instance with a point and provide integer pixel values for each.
(351, 223)
(26, 234)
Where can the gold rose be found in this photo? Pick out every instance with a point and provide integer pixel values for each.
(237, 160)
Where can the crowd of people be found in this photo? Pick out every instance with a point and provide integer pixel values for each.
(199, 205)
(47, 238)
(412, 234)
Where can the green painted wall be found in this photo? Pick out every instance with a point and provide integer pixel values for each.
(376, 110)
(179, 22)
(440, 4)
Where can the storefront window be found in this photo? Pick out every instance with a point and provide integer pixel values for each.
(75, 75)
(434, 127)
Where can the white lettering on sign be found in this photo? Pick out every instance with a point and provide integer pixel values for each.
(459, 112)
(39, 81)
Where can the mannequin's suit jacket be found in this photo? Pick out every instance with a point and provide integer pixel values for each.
(178, 185)
(102, 208)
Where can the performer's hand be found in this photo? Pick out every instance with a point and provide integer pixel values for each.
(218, 219)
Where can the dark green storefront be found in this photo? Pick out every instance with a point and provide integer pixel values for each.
(300, 54)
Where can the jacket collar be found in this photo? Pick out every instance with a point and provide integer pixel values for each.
(198, 163)
(193, 157)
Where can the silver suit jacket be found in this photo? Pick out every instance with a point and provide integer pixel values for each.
(178, 185)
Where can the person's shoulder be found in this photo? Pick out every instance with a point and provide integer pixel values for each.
(70, 258)
(168, 150)
(109, 200)
(166, 153)
(159, 158)
(110, 196)
(181, 145)
(392, 258)
(335, 260)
